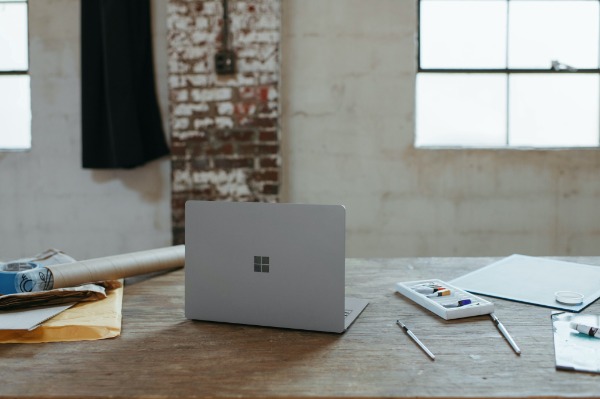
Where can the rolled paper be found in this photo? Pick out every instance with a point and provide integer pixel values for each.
(98, 269)
(117, 266)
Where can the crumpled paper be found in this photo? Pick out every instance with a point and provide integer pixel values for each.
(97, 315)
(83, 293)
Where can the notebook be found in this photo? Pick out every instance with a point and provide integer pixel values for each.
(266, 264)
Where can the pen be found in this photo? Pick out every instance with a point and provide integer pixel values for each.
(505, 334)
(414, 337)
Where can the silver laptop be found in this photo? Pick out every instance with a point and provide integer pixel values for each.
(277, 265)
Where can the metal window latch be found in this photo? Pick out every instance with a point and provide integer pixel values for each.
(559, 66)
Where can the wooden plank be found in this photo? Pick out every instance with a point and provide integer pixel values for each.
(161, 354)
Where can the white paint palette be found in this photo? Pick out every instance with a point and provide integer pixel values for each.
(444, 299)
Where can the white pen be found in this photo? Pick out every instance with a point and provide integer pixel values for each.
(414, 337)
(588, 330)
(505, 334)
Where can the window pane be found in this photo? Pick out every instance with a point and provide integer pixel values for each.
(15, 112)
(466, 110)
(554, 110)
(463, 34)
(543, 31)
(13, 37)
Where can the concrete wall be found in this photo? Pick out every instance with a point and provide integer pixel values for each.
(46, 198)
(348, 116)
(348, 121)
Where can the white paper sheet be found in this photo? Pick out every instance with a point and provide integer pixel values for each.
(29, 319)
(534, 280)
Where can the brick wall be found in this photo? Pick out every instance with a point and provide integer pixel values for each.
(224, 129)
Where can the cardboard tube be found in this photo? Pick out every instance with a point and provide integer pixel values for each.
(117, 266)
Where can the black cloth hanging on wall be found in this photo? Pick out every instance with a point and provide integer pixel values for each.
(121, 122)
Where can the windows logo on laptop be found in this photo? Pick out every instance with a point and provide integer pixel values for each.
(261, 264)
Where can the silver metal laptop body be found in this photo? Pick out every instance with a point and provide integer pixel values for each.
(277, 265)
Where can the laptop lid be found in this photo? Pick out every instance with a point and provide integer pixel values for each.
(278, 265)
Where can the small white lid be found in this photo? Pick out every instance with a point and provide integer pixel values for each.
(568, 297)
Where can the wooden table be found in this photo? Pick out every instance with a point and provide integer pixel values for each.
(161, 354)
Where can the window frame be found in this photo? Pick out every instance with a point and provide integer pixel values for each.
(507, 72)
(21, 72)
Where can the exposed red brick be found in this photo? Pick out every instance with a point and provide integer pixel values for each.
(270, 189)
(270, 162)
(178, 164)
(266, 175)
(196, 150)
(233, 163)
(178, 200)
(244, 109)
(200, 164)
(268, 136)
(263, 93)
(269, 149)
(247, 92)
(178, 149)
(235, 135)
(258, 149)
(221, 149)
(223, 123)
(265, 122)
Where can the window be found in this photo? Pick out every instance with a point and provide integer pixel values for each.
(508, 73)
(15, 97)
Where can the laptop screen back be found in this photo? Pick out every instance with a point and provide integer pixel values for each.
(279, 265)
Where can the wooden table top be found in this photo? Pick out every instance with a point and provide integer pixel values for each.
(161, 354)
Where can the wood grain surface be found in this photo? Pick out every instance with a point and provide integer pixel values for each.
(160, 354)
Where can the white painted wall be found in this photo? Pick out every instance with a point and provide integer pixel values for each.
(46, 198)
(348, 119)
